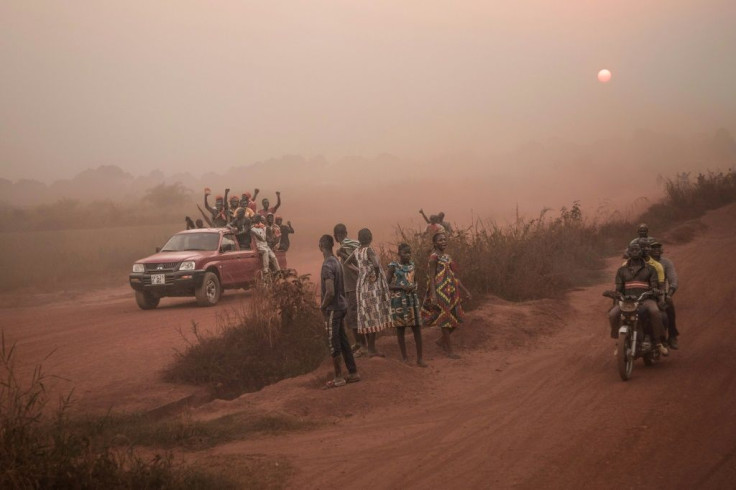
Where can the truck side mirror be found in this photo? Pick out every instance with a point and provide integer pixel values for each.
(158, 249)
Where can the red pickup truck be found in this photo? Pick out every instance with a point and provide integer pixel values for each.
(199, 263)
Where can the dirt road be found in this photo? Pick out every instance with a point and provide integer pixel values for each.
(528, 412)
(535, 402)
(107, 349)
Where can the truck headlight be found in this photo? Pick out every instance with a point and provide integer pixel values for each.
(139, 268)
(187, 266)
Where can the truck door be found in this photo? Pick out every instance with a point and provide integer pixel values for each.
(231, 260)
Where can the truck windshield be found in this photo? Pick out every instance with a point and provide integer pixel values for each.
(192, 241)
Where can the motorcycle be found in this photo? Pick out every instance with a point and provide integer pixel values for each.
(633, 340)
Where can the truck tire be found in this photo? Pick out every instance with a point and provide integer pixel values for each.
(146, 301)
(208, 294)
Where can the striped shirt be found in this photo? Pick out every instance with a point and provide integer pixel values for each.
(635, 278)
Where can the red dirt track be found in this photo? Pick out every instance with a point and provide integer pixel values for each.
(535, 401)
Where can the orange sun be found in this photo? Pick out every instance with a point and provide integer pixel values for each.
(604, 76)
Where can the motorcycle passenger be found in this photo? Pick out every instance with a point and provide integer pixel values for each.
(632, 279)
(642, 232)
(671, 285)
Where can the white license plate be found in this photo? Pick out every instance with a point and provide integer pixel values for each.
(158, 278)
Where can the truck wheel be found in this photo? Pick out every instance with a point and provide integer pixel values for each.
(208, 294)
(146, 301)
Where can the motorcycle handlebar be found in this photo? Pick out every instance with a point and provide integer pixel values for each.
(618, 296)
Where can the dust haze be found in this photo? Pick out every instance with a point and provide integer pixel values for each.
(367, 111)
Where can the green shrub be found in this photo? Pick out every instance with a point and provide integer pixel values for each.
(278, 334)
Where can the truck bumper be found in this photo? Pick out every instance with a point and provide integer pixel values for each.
(177, 283)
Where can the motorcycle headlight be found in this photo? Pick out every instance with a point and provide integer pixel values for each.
(139, 268)
(187, 266)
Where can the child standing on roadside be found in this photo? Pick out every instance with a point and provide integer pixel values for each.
(405, 308)
(374, 302)
(442, 304)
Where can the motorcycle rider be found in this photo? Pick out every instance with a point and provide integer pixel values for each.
(671, 285)
(632, 279)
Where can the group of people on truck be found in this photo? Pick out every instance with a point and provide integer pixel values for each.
(645, 269)
(259, 229)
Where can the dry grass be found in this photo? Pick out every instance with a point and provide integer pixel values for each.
(278, 334)
(49, 451)
(545, 256)
(529, 259)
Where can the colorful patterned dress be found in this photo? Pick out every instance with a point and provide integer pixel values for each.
(448, 311)
(374, 301)
(404, 306)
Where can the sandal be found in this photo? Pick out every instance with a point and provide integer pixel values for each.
(422, 364)
(352, 378)
(335, 383)
(376, 354)
(452, 355)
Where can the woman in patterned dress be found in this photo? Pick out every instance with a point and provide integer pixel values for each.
(374, 302)
(442, 304)
(405, 302)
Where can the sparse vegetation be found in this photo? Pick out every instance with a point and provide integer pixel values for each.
(529, 259)
(278, 334)
(49, 451)
(181, 432)
(544, 257)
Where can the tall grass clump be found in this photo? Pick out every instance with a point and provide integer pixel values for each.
(278, 334)
(42, 448)
(687, 198)
(544, 257)
(528, 259)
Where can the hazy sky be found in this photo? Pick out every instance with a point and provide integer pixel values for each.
(185, 85)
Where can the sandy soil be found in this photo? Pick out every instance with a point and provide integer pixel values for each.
(535, 401)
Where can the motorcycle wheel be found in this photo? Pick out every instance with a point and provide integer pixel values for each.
(624, 357)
